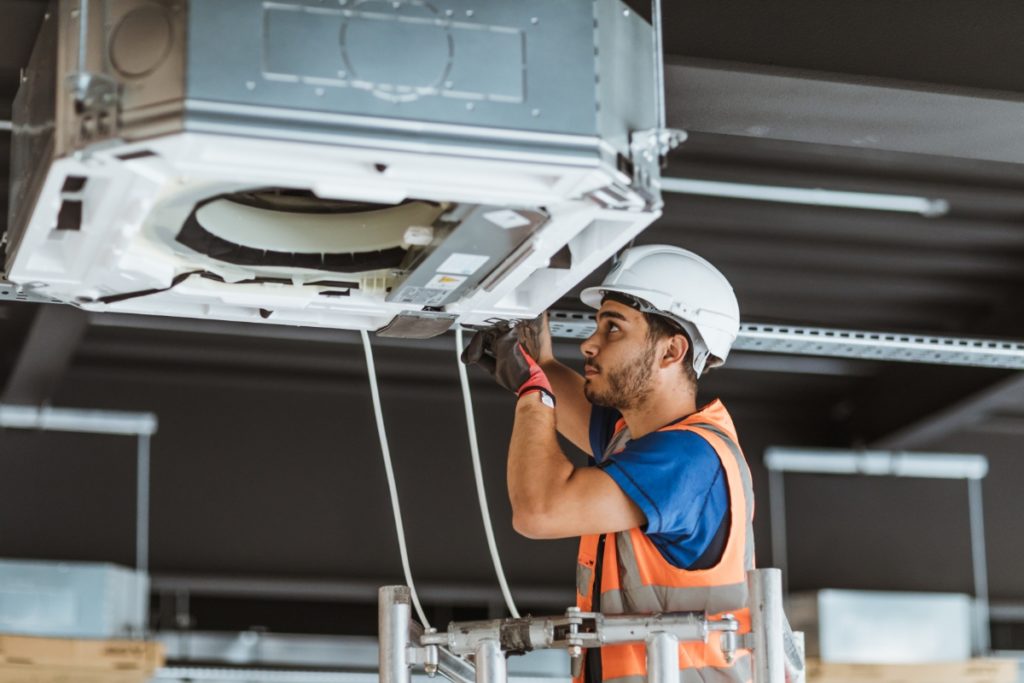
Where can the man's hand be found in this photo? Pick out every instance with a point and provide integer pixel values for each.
(535, 336)
(498, 350)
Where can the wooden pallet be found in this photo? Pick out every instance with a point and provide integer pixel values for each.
(26, 659)
(971, 671)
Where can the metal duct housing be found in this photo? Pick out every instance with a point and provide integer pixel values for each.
(513, 139)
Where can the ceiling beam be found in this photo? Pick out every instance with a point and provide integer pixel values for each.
(45, 354)
(843, 110)
(870, 228)
(349, 590)
(957, 416)
(902, 395)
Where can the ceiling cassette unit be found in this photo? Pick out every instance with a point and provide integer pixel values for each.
(395, 166)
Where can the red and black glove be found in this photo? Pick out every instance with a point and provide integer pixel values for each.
(498, 350)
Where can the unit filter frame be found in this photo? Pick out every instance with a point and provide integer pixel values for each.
(149, 125)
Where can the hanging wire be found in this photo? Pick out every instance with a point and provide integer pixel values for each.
(481, 492)
(389, 470)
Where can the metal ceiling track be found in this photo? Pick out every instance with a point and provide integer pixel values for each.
(822, 341)
(788, 339)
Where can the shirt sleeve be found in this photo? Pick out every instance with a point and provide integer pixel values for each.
(677, 481)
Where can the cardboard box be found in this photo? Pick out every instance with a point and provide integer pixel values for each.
(969, 671)
(29, 659)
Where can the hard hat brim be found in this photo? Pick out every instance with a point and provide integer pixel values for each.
(658, 301)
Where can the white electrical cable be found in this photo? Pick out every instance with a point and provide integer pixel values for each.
(389, 470)
(481, 492)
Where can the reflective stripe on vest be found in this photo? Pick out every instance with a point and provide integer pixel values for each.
(636, 578)
(742, 670)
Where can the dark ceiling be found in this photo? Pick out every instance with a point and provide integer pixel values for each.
(948, 44)
(267, 465)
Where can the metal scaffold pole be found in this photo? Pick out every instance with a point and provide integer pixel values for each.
(142, 504)
(490, 663)
(979, 567)
(662, 658)
(394, 611)
(776, 652)
(767, 624)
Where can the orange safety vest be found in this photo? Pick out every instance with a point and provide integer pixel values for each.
(635, 578)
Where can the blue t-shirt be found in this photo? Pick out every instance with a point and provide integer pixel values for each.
(677, 480)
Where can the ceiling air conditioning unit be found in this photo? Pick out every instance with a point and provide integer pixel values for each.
(396, 166)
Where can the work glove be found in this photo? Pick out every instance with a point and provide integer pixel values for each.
(498, 350)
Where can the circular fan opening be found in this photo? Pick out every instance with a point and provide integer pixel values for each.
(294, 228)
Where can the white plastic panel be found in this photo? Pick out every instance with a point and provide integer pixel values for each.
(132, 209)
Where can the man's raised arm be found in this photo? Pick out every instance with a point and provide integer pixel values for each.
(572, 413)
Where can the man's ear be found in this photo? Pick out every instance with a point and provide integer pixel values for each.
(675, 350)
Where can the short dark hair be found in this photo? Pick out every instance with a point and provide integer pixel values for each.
(658, 327)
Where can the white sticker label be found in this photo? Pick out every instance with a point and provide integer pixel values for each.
(445, 282)
(422, 296)
(507, 218)
(463, 264)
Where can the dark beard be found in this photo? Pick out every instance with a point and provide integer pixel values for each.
(628, 386)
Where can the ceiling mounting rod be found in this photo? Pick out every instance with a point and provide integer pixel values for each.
(83, 34)
(659, 65)
(814, 196)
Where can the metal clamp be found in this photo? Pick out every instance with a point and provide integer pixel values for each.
(93, 92)
(729, 627)
(96, 98)
(96, 95)
(775, 650)
(648, 148)
(655, 144)
(427, 656)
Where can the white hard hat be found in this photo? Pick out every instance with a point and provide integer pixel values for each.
(683, 287)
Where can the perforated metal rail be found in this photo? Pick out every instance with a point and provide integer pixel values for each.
(788, 339)
(821, 341)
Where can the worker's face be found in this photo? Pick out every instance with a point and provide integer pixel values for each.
(620, 358)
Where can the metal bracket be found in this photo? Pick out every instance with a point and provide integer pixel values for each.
(97, 100)
(96, 96)
(655, 144)
(648, 149)
(93, 92)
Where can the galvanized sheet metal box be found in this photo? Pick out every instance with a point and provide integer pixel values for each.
(883, 627)
(72, 599)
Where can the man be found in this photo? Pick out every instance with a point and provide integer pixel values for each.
(664, 512)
